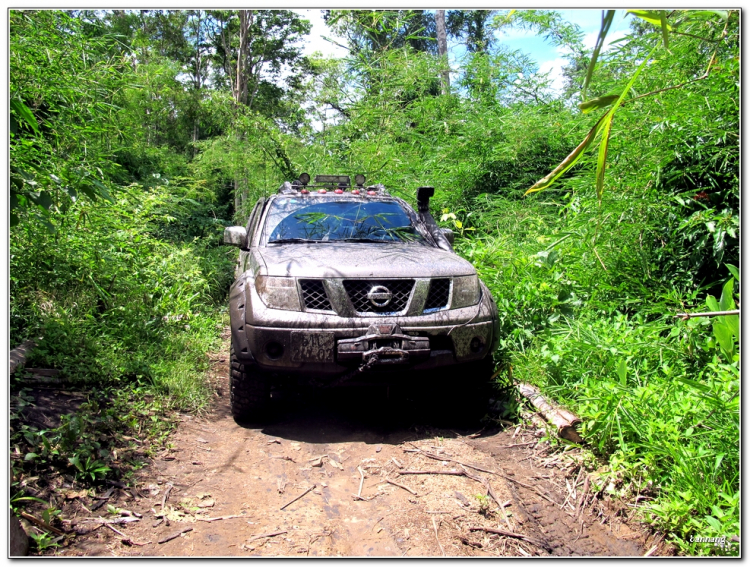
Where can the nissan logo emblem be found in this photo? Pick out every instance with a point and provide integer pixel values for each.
(379, 296)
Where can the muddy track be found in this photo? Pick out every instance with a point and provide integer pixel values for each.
(350, 457)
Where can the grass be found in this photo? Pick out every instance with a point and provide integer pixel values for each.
(659, 397)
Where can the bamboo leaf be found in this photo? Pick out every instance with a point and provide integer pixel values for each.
(601, 162)
(651, 16)
(724, 14)
(664, 28)
(103, 191)
(25, 114)
(568, 162)
(598, 103)
(607, 17)
(43, 199)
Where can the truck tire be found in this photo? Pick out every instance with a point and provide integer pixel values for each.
(249, 390)
(465, 391)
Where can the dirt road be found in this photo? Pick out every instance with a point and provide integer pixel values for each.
(350, 460)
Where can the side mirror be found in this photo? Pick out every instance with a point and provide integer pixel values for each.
(448, 233)
(235, 236)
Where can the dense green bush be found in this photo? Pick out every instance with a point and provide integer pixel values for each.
(127, 291)
(129, 154)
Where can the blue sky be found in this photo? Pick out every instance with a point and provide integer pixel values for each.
(545, 54)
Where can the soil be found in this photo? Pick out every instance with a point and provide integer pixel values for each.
(342, 454)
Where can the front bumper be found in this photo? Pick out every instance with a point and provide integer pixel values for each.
(320, 344)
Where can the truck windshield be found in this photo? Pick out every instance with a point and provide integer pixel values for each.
(325, 219)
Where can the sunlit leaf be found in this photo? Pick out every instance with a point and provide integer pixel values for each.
(622, 371)
(607, 18)
(723, 335)
(601, 162)
(734, 271)
(665, 29)
(726, 302)
(568, 162)
(598, 103)
(724, 14)
(651, 16)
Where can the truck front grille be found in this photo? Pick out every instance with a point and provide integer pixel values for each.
(437, 298)
(314, 295)
(358, 291)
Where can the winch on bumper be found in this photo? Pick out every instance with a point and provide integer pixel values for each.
(384, 344)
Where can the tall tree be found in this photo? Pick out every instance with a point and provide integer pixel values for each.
(374, 31)
(258, 56)
(473, 28)
(442, 42)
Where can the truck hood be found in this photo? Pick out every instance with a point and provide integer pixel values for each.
(362, 260)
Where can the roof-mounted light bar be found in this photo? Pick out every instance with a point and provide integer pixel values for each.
(338, 184)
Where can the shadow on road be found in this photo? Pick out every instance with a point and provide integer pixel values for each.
(373, 415)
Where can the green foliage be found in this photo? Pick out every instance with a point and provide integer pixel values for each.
(120, 286)
(129, 153)
(64, 113)
(372, 32)
(658, 400)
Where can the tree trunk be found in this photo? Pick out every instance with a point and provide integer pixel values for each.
(237, 197)
(240, 93)
(442, 40)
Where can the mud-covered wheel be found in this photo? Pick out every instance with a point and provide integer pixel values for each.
(249, 390)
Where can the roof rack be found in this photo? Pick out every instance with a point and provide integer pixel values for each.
(338, 184)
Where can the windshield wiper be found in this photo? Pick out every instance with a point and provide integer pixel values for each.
(292, 240)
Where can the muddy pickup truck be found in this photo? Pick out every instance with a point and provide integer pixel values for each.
(340, 284)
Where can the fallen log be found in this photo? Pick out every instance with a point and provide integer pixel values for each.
(562, 419)
(18, 355)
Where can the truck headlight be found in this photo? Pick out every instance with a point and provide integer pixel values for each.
(278, 292)
(466, 291)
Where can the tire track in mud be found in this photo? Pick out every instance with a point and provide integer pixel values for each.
(245, 474)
